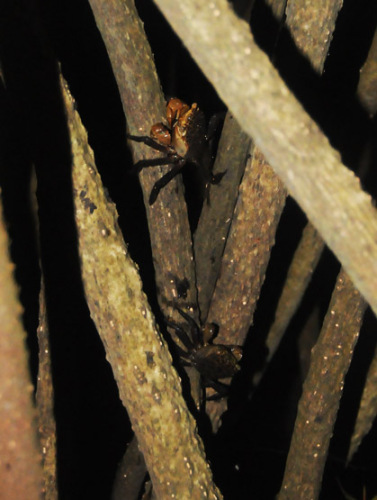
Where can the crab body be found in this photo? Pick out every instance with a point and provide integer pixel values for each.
(183, 140)
(216, 361)
(213, 361)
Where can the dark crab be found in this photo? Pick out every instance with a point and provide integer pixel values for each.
(183, 140)
(213, 361)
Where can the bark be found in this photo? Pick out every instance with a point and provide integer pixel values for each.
(45, 403)
(252, 234)
(314, 45)
(20, 459)
(300, 154)
(130, 475)
(367, 93)
(311, 25)
(367, 410)
(249, 245)
(215, 219)
(229, 310)
(277, 7)
(299, 274)
(367, 88)
(148, 385)
(322, 391)
(144, 104)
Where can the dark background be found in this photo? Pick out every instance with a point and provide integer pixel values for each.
(249, 453)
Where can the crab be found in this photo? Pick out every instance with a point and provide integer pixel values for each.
(183, 140)
(213, 361)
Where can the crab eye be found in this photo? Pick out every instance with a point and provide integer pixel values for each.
(237, 352)
(175, 109)
(161, 133)
(209, 331)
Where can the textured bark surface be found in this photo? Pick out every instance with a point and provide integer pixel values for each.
(215, 219)
(45, 403)
(277, 7)
(20, 459)
(300, 154)
(304, 262)
(311, 25)
(144, 104)
(367, 411)
(367, 88)
(322, 391)
(252, 235)
(130, 475)
(313, 39)
(311, 239)
(148, 385)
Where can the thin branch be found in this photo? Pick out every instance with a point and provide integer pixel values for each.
(148, 385)
(20, 467)
(252, 234)
(259, 205)
(312, 26)
(367, 410)
(45, 397)
(367, 88)
(215, 218)
(277, 7)
(45, 402)
(322, 391)
(130, 475)
(304, 262)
